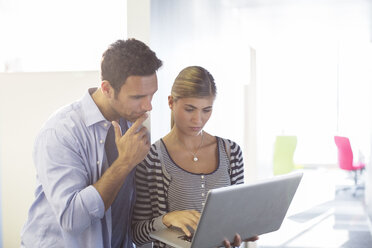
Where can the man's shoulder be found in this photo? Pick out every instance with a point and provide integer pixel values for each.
(66, 121)
(69, 115)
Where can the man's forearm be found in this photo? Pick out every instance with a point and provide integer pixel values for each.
(111, 181)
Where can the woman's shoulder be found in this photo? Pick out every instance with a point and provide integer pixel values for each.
(152, 158)
(229, 142)
(154, 146)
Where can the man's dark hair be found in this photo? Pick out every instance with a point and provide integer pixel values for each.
(126, 58)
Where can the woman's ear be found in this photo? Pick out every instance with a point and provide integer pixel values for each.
(170, 102)
(107, 89)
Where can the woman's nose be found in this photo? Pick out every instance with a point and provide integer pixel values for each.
(196, 118)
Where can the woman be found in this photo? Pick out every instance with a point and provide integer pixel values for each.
(173, 180)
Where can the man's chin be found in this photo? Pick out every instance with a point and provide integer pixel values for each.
(133, 118)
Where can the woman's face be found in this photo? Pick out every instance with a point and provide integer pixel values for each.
(191, 114)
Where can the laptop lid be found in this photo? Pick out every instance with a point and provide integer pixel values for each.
(248, 209)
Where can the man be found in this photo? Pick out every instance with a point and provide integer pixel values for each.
(85, 156)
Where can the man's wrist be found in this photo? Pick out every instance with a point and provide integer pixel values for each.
(121, 167)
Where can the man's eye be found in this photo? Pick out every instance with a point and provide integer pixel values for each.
(189, 110)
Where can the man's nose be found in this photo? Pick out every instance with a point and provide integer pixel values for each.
(146, 104)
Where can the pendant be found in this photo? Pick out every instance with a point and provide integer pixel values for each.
(195, 159)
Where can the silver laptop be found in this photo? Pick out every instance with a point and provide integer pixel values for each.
(248, 209)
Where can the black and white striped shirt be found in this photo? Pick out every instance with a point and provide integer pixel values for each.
(154, 192)
(189, 190)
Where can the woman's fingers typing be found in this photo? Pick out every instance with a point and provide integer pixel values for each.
(183, 219)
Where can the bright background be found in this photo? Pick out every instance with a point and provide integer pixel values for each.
(281, 67)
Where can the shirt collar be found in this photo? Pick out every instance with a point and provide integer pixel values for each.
(91, 112)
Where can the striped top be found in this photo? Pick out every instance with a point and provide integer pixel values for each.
(154, 183)
(189, 190)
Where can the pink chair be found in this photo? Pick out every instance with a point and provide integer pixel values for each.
(345, 161)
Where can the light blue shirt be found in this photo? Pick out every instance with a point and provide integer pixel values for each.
(69, 156)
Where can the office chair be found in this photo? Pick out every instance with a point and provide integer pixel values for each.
(345, 162)
(284, 149)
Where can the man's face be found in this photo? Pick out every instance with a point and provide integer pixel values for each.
(134, 98)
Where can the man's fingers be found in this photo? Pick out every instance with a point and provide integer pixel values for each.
(137, 124)
(117, 130)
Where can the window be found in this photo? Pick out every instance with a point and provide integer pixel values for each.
(42, 35)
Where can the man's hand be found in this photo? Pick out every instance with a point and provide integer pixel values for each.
(132, 149)
(182, 219)
(134, 145)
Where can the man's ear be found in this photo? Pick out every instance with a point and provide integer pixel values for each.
(107, 89)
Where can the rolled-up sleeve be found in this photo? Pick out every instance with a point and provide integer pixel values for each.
(93, 202)
(64, 175)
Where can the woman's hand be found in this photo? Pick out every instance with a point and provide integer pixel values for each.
(238, 241)
(182, 219)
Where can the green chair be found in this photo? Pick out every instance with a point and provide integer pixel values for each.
(284, 149)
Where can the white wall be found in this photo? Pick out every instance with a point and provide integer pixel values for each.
(26, 101)
(67, 35)
(204, 33)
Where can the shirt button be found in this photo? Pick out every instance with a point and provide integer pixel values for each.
(101, 141)
(202, 194)
(105, 124)
(98, 162)
(202, 177)
(203, 203)
(202, 185)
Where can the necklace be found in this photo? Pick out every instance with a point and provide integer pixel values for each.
(195, 158)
